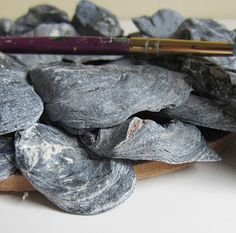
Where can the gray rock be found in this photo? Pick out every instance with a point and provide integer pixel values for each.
(53, 29)
(91, 20)
(7, 157)
(207, 30)
(20, 106)
(85, 59)
(103, 96)
(204, 112)
(38, 15)
(208, 79)
(138, 139)
(59, 167)
(161, 24)
(202, 29)
(233, 33)
(7, 27)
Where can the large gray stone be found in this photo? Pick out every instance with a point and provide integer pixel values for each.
(7, 157)
(92, 20)
(138, 139)
(59, 167)
(103, 96)
(38, 15)
(20, 106)
(204, 112)
(161, 24)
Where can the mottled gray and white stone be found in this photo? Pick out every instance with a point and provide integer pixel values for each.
(38, 15)
(92, 20)
(204, 112)
(52, 29)
(207, 30)
(20, 106)
(138, 139)
(7, 157)
(103, 96)
(161, 24)
(58, 166)
(7, 27)
(86, 59)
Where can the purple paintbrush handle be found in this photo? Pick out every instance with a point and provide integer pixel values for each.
(65, 45)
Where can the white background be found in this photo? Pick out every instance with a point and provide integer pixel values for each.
(198, 199)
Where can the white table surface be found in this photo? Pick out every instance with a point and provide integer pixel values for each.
(198, 199)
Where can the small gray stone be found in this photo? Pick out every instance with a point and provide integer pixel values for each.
(207, 30)
(103, 96)
(233, 33)
(204, 112)
(161, 24)
(7, 27)
(59, 167)
(38, 15)
(7, 157)
(138, 139)
(53, 29)
(20, 106)
(91, 20)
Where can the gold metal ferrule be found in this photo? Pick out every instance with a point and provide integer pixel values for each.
(156, 46)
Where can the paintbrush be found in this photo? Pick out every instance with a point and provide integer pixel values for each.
(86, 45)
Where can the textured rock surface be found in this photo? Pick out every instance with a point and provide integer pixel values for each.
(7, 27)
(138, 139)
(20, 106)
(91, 20)
(161, 24)
(208, 79)
(103, 96)
(202, 112)
(38, 15)
(207, 30)
(53, 29)
(7, 157)
(59, 167)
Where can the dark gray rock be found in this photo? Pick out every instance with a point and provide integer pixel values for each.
(233, 33)
(7, 27)
(161, 24)
(207, 30)
(208, 79)
(204, 112)
(138, 139)
(53, 29)
(20, 106)
(103, 96)
(7, 157)
(38, 15)
(91, 20)
(58, 166)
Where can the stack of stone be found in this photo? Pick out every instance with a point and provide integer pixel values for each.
(73, 125)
